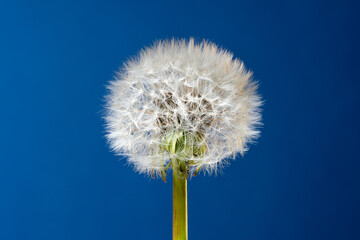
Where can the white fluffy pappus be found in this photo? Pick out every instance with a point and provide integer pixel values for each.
(179, 86)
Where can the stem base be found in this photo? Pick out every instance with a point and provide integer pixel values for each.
(180, 220)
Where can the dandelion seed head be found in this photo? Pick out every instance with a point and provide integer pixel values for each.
(178, 89)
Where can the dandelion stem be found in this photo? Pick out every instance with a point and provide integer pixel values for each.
(180, 221)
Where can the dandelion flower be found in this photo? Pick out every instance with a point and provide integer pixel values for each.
(182, 105)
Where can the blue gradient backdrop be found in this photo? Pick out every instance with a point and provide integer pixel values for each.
(58, 179)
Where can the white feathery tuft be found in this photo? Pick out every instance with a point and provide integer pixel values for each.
(180, 86)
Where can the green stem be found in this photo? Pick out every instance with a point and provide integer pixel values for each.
(180, 221)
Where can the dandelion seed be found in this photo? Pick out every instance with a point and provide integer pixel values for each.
(183, 106)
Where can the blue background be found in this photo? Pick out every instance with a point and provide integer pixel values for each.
(58, 179)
